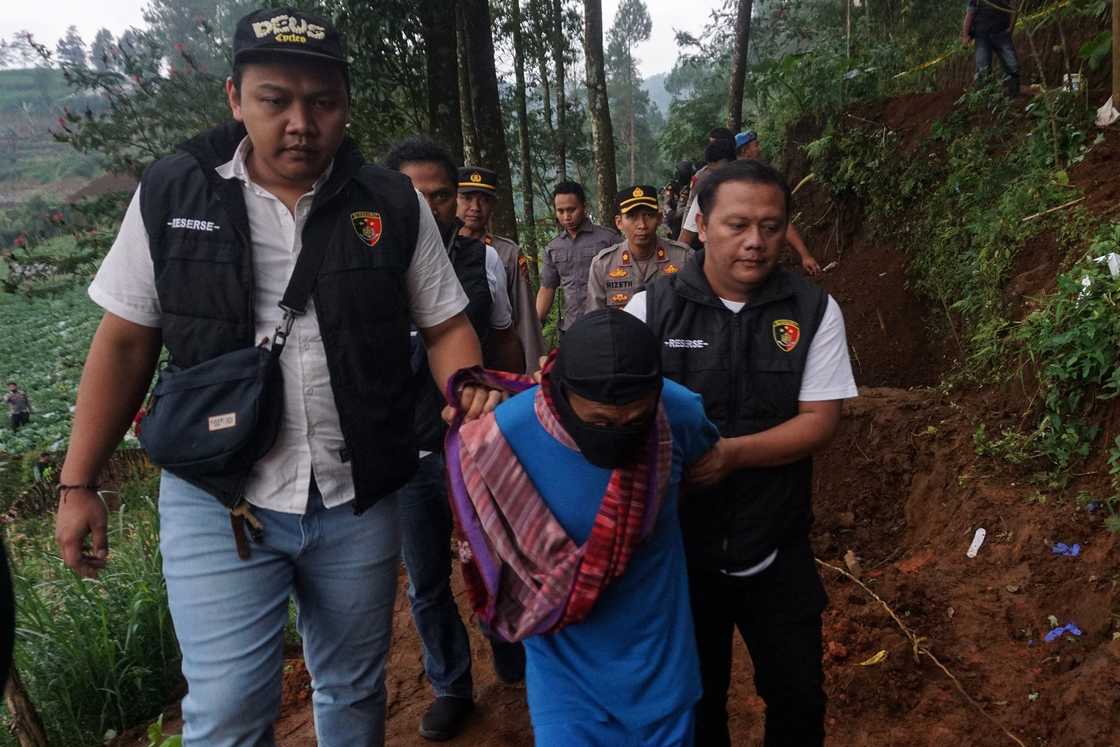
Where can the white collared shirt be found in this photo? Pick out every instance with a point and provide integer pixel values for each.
(310, 434)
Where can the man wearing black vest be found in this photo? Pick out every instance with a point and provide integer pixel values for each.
(425, 512)
(766, 350)
(201, 261)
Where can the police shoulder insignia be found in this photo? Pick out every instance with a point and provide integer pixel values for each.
(671, 269)
(523, 265)
(620, 298)
(368, 226)
(618, 272)
(787, 334)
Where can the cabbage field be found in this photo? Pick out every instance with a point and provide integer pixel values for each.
(43, 345)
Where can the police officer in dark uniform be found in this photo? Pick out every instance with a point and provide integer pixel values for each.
(620, 271)
(766, 350)
(201, 261)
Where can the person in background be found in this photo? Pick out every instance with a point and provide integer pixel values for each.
(566, 260)
(478, 192)
(767, 351)
(19, 406)
(988, 24)
(620, 271)
(717, 153)
(575, 483)
(677, 197)
(749, 147)
(425, 514)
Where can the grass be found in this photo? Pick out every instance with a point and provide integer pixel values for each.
(95, 655)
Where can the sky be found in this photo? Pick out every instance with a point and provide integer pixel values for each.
(48, 20)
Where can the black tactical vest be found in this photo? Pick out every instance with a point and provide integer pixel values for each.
(748, 368)
(368, 218)
(468, 257)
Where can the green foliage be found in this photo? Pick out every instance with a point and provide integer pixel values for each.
(1074, 342)
(95, 655)
(962, 205)
(156, 737)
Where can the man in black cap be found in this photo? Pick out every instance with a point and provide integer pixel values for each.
(575, 484)
(203, 258)
(620, 271)
(767, 351)
(478, 190)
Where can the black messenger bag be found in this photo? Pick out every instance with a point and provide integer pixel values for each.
(209, 423)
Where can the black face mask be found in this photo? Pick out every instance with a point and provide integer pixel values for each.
(609, 447)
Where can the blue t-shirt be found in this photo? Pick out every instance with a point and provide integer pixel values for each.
(633, 658)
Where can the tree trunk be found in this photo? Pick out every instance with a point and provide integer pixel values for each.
(739, 66)
(630, 106)
(486, 107)
(559, 47)
(602, 133)
(466, 113)
(25, 721)
(542, 26)
(530, 242)
(437, 20)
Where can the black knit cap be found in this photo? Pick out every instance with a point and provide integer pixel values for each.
(287, 31)
(610, 357)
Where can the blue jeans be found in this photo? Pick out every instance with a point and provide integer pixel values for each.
(426, 545)
(1001, 43)
(230, 614)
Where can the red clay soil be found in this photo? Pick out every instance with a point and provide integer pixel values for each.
(1099, 175)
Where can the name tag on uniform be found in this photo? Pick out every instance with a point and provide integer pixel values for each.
(222, 422)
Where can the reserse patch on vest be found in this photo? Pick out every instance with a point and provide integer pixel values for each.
(620, 299)
(368, 226)
(787, 333)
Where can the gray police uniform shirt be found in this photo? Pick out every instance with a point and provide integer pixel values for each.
(617, 274)
(566, 262)
(521, 296)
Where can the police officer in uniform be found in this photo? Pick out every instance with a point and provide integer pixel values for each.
(620, 271)
(477, 193)
(199, 266)
(567, 258)
(766, 350)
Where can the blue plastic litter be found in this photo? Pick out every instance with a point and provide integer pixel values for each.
(1058, 632)
(1093, 506)
(1062, 548)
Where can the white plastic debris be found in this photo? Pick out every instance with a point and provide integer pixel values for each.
(1112, 259)
(1107, 114)
(977, 540)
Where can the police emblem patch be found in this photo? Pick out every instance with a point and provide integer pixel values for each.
(368, 226)
(618, 272)
(787, 333)
(671, 269)
(639, 192)
(620, 299)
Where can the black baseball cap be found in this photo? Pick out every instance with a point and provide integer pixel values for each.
(640, 195)
(287, 31)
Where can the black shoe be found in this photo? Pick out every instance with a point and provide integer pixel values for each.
(509, 661)
(445, 718)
